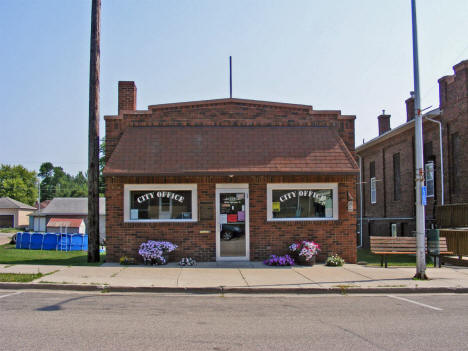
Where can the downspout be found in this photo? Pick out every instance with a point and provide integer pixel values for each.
(360, 201)
(441, 158)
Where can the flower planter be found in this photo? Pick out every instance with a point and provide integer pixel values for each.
(156, 261)
(301, 260)
(304, 252)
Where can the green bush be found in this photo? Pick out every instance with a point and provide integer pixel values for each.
(124, 260)
(335, 261)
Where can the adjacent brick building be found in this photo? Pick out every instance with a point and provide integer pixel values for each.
(229, 179)
(389, 160)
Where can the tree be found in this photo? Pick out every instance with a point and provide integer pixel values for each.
(93, 136)
(18, 183)
(55, 182)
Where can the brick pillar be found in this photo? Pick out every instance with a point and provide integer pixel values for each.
(127, 96)
(384, 123)
(461, 79)
(410, 107)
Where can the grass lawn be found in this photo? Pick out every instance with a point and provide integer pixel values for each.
(9, 230)
(19, 277)
(10, 255)
(393, 260)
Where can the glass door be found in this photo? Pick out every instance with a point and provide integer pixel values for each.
(232, 232)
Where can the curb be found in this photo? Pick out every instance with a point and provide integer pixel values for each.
(228, 290)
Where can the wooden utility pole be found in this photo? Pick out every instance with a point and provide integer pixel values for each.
(93, 136)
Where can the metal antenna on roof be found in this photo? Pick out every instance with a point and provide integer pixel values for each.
(230, 77)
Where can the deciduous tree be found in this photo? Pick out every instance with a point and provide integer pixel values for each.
(18, 183)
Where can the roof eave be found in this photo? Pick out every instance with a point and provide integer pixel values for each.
(400, 129)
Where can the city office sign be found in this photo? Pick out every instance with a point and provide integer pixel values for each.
(305, 193)
(160, 194)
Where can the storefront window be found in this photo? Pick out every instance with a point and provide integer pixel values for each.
(302, 201)
(163, 203)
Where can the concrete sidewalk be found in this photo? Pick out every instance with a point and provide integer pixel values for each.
(242, 277)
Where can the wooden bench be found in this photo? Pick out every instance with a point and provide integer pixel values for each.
(385, 245)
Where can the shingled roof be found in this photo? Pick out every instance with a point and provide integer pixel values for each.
(9, 203)
(71, 206)
(230, 150)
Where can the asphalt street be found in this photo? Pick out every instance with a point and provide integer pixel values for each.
(34, 320)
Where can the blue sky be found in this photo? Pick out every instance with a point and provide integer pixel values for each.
(354, 56)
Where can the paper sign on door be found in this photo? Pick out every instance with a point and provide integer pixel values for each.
(231, 218)
(223, 218)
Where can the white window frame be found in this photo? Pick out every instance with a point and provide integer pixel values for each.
(373, 190)
(302, 186)
(152, 187)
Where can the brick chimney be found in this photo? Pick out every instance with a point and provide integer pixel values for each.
(455, 87)
(127, 96)
(384, 123)
(410, 107)
(443, 90)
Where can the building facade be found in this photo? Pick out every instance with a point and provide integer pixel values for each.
(388, 163)
(229, 179)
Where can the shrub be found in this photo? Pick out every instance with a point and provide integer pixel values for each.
(156, 251)
(124, 260)
(279, 261)
(335, 261)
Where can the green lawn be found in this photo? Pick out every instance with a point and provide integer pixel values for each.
(9, 230)
(19, 277)
(10, 255)
(393, 260)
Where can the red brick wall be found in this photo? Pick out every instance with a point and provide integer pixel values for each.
(453, 92)
(338, 236)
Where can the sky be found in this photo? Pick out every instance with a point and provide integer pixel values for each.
(354, 56)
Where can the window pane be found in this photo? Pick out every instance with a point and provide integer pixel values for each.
(159, 204)
(293, 203)
(373, 191)
(372, 169)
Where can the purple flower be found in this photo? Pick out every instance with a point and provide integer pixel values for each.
(155, 250)
(279, 261)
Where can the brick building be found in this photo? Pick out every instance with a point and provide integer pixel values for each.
(229, 179)
(388, 165)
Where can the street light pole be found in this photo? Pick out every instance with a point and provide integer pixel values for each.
(418, 152)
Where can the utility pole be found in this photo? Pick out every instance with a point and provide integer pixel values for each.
(93, 136)
(39, 195)
(418, 152)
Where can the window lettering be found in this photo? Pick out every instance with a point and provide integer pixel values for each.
(161, 194)
(161, 205)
